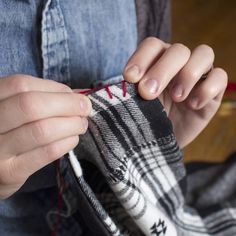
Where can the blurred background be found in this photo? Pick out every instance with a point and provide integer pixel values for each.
(211, 22)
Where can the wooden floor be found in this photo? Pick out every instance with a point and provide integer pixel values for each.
(211, 22)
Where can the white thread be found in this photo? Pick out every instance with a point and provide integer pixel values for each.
(75, 164)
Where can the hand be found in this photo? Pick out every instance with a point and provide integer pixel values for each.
(40, 121)
(174, 74)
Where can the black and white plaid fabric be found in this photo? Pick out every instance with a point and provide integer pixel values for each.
(139, 186)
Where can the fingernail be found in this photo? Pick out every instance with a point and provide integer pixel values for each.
(83, 104)
(177, 91)
(194, 102)
(151, 85)
(133, 71)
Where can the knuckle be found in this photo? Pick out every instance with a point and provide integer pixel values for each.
(193, 74)
(11, 171)
(153, 41)
(40, 132)
(7, 174)
(65, 88)
(181, 47)
(52, 151)
(3, 178)
(207, 50)
(19, 83)
(27, 104)
(188, 74)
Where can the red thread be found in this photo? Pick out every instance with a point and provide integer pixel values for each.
(87, 91)
(124, 88)
(61, 186)
(108, 91)
(106, 87)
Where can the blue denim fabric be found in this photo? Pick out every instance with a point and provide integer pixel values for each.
(102, 36)
(78, 43)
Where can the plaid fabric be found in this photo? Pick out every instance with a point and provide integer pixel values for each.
(131, 142)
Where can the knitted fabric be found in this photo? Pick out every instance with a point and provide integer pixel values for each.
(132, 146)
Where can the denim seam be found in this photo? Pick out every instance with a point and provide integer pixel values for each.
(65, 44)
(62, 60)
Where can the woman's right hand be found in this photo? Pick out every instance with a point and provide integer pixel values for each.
(40, 121)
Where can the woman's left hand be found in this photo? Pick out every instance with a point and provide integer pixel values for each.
(186, 83)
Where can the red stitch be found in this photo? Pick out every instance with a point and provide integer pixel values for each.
(108, 91)
(124, 88)
(87, 91)
(106, 87)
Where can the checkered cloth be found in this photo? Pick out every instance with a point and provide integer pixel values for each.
(139, 184)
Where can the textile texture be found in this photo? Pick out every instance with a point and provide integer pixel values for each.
(139, 187)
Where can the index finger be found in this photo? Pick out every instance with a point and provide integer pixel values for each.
(148, 51)
(32, 106)
(15, 84)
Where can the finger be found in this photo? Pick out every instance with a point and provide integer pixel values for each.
(41, 133)
(21, 167)
(148, 51)
(16, 84)
(200, 62)
(31, 106)
(212, 88)
(160, 74)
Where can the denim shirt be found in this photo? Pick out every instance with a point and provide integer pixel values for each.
(78, 43)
